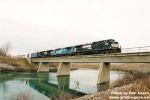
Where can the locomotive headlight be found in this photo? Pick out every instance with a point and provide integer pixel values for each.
(106, 43)
(115, 45)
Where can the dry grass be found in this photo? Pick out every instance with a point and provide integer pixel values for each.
(131, 82)
(131, 67)
(17, 62)
(64, 96)
(140, 85)
(127, 79)
(26, 95)
(14, 61)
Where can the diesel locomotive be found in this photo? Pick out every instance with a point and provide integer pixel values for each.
(98, 47)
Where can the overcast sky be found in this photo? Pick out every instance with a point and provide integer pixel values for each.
(34, 25)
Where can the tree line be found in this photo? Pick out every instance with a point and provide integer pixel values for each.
(5, 48)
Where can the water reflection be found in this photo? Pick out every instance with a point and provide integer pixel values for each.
(47, 85)
(54, 90)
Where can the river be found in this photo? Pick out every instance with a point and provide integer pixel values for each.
(46, 86)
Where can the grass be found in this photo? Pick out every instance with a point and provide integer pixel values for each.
(14, 61)
(139, 85)
(26, 95)
(128, 78)
(131, 67)
(19, 63)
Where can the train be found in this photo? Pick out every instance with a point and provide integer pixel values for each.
(98, 47)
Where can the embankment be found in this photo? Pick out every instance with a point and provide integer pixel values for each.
(139, 86)
(14, 64)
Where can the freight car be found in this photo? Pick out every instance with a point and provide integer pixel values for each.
(99, 47)
(41, 54)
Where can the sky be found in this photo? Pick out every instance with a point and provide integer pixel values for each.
(35, 25)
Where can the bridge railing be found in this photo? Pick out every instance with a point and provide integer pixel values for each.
(136, 49)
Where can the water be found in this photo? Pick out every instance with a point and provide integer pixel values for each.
(44, 86)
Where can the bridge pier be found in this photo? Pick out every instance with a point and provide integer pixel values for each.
(104, 73)
(43, 67)
(64, 68)
(102, 87)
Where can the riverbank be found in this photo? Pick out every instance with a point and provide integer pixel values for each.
(11, 64)
(139, 85)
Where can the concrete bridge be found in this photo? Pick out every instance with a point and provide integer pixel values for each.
(103, 59)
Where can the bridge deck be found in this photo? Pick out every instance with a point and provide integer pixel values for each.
(138, 57)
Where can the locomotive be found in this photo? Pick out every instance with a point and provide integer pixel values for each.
(98, 47)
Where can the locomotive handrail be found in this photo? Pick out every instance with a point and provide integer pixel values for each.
(136, 49)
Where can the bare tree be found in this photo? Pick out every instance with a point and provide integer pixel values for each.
(4, 49)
